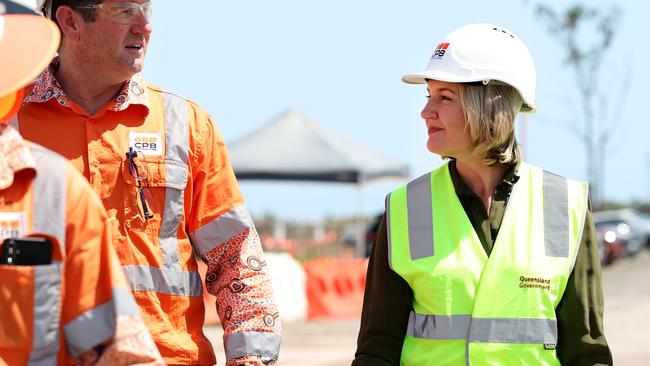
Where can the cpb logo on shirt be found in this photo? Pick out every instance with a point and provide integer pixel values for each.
(12, 224)
(146, 143)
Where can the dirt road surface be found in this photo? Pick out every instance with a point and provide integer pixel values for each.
(627, 324)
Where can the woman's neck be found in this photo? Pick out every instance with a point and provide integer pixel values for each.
(481, 179)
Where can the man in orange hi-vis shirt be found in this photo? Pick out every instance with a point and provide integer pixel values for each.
(73, 305)
(161, 169)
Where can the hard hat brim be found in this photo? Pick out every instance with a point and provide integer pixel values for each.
(421, 78)
(27, 45)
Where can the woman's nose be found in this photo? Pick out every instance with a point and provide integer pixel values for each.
(429, 111)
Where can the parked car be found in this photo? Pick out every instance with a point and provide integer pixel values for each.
(630, 226)
(611, 244)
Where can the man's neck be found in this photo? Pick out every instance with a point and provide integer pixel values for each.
(85, 87)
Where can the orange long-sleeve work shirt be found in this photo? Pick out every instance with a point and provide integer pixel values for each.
(59, 312)
(149, 152)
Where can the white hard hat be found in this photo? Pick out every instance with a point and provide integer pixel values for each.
(44, 8)
(485, 53)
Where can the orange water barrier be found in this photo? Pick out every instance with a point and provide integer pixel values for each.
(335, 287)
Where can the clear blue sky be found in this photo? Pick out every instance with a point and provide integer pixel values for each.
(340, 62)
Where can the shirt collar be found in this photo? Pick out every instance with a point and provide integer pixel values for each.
(14, 155)
(503, 189)
(46, 87)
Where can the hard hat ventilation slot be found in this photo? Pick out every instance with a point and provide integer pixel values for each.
(504, 32)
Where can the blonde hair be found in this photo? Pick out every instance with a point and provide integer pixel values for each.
(490, 111)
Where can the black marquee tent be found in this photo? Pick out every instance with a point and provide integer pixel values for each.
(294, 147)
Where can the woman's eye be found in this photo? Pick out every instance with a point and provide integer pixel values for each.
(442, 97)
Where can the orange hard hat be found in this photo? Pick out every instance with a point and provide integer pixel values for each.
(27, 44)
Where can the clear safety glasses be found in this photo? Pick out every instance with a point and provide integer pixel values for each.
(144, 197)
(123, 13)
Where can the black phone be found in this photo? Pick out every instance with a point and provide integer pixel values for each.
(30, 251)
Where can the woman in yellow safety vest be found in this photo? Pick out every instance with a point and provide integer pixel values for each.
(485, 260)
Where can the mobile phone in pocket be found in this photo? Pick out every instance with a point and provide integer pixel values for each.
(30, 251)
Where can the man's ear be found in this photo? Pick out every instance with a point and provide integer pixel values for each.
(70, 21)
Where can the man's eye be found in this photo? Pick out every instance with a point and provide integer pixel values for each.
(128, 11)
(442, 97)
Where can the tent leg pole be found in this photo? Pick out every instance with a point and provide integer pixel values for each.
(361, 222)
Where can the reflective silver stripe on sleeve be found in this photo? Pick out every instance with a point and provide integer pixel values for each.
(514, 330)
(98, 324)
(556, 216)
(49, 195)
(163, 280)
(262, 344)
(176, 164)
(438, 327)
(420, 220)
(47, 312)
(390, 246)
(219, 230)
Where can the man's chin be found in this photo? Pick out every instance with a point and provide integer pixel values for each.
(132, 69)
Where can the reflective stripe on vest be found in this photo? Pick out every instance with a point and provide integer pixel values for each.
(465, 301)
(170, 279)
(48, 218)
(263, 344)
(495, 330)
(556, 216)
(49, 195)
(176, 166)
(420, 226)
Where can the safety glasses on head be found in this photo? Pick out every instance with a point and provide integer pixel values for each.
(123, 13)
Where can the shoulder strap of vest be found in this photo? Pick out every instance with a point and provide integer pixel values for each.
(49, 202)
(417, 194)
(561, 197)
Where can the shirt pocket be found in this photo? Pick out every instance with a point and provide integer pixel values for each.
(30, 299)
(156, 187)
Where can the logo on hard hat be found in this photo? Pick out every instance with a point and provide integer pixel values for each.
(440, 51)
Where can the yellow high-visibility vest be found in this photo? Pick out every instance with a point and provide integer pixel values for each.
(471, 309)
